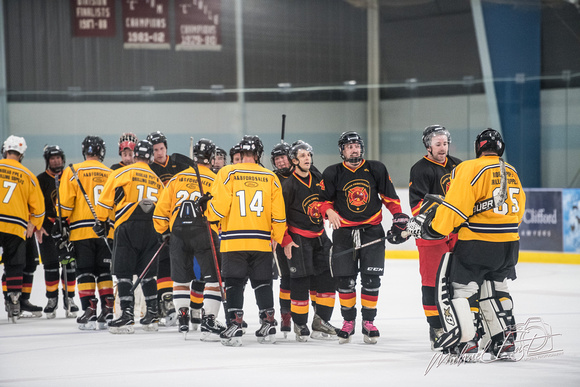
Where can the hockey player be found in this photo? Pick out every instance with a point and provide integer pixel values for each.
(93, 256)
(127, 144)
(248, 202)
(431, 175)
(166, 167)
(219, 161)
(131, 192)
(486, 253)
(307, 248)
(55, 251)
(283, 169)
(180, 214)
(353, 193)
(235, 154)
(22, 210)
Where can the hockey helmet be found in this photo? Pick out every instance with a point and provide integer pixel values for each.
(157, 138)
(281, 149)
(14, 143)
(432, 131)
(53, 150)
(94, 146)
(490, 140)
(298, 145)
(234, 150)
(349, 138)
(127, 140)
(204, 151)
(252, 144)
(143, 150)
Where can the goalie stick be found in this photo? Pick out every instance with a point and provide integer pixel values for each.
(76, 176)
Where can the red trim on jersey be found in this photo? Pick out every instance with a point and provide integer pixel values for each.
(356, 169)
(305, 233)
(435, 162)
(301, 179)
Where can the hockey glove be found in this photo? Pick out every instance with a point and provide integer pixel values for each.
(420, 226)
(59, 233)
(101, 229)
(400, 221)
(164, 237)
(202, 201)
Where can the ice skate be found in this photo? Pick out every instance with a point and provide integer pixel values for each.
(72, 312)
(502, 348)
(183, 321)
(150, 321)
(345, 334)
(211, 328)
(434, 334)
(232, 336)
(267, 332)
(285, 323)
(302, 333)
(370, 332)
(467, 351)
(106, 313)
(124, 324)
(195, 318)
(12, 301)
(29, 310)
(169, 315)
(50, 308)
(323, 330)
(88, 321)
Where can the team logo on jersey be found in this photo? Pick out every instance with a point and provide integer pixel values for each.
(100, 180)
(251, 184)
(311, 207)
(191, 185)
(445, 182)
(322, 185)
(357, 195)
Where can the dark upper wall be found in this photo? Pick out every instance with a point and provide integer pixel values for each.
(304, 42)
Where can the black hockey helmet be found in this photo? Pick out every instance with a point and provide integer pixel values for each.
(143, 150)
(203, 151)
(348, 138)
(253, 144)
(221, 152)
(157, 138)
(491, 140)
(432, 131)
(298, 145)
(281, 149)
(234, 150)
(93, 146)
(53, 150)
(127, 140)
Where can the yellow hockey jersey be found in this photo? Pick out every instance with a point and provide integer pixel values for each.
(125, 188)
(248, 202)
(474, 181)
(21, 199)
(92, 174)
(182, 186)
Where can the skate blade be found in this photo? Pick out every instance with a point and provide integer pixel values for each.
(28, 314)
(232, 342)
(71, 314)
(302, 339)
(209, 337)
(269, 339)
(317, 335)
(127, 329)
(50, 316)
(13, 319)
(171, 320)
(195, 326)
(102, 325)
(344, 340)
(369, 340)
(90, 326)
(154, 327)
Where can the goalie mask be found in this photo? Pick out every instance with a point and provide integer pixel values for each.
(53, 150)
(204, 151)
(489, 140)
(351, 138)
(16, 144)
(93, 146)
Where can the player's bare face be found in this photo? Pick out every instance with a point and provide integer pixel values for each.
(352, 150)
(159, 153)
(438, 149)
(281, 162)
(219, 161)
(304, 160)
(55, 163)
(237, 158)
(127, 156)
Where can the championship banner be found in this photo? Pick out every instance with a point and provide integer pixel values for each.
(145, 24)
(571, 204)
(541, 227)
(93, 18)
(197, 25)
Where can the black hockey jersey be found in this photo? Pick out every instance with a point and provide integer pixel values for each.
(429, 177)
(357, 195)
(168, 170)
(48, 188)
(302, 200)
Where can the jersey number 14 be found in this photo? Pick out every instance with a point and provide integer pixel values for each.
(256, 204)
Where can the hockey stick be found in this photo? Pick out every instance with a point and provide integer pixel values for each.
(76, 176)
(147, 268)
(211, 241)
(283, 127)
(64, 273)
(361, 246)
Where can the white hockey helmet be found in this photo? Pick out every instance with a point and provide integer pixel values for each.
(14, 143)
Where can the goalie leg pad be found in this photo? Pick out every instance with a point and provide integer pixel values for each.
(464, 318)
(496, 307)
